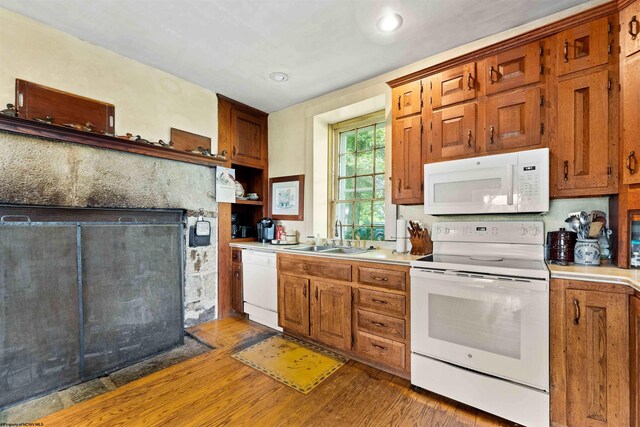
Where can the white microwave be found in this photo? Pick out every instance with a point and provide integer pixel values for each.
(502, 183)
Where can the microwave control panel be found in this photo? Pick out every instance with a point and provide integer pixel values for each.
(533, 181)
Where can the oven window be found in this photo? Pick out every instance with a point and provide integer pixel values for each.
(487, 326)
(469, 191)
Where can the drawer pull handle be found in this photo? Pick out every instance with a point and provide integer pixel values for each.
(381, 279)
(565, 51)
(469, 138)
(379, 301)
(566, 170)
(381, 347)
(469, 78)
(633, 27)
(380, 324)
(576, 306)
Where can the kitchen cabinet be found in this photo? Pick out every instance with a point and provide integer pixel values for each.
(237, 300)
(630, 29)
(293, 303)
(406, 161)
(331, 314)
(630, 96)
(457, 84)
(363, 314)
(589, 353)
(634, 320)
(407, 99)
(513, 68)
(453, 132)
(247, 134)
(583, 154)
(513, 120)
(584, 46)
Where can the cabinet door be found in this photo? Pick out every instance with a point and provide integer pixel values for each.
(237, 302)
(635, 360)
(513, 120)
(630, 29)
(407, 99)
(631, 120)
(406, 161)
(293, 303)
(247, 133)
(454, 85)
(582, 147)
(454, 132)
(582, 47)
(597, 358)
(513, 68)
(331, 314)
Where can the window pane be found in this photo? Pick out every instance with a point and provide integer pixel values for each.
(365, 163)
(363, 213)
(364, 187)
(378, 213)
(346, 188)
(380, 160)
(379, 193)
(347, 233)
(347, 165)
(347, 142)
(380, 140)
(378, 233)
(344, 213)
(364, 138)
(363, 232)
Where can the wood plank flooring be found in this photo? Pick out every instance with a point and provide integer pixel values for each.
(214, 389)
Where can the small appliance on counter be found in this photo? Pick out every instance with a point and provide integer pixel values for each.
(235, 226)
(266, 230)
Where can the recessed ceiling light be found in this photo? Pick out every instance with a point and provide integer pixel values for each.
(389, 23)
(279, 77)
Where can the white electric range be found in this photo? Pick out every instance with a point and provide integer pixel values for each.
(480, 318)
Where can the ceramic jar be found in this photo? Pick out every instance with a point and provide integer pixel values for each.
(587, 252)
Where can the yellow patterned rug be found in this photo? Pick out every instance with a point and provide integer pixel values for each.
(300, 365)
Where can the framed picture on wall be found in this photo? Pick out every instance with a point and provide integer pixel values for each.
(287, 197)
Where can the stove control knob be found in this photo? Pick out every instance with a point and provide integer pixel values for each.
(523, 231)
(534, 231)
(438, 229)
(446, 230)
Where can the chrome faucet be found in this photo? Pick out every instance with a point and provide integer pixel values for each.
(338, 222)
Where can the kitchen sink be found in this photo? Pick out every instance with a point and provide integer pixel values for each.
(312, 248)
(348, 251)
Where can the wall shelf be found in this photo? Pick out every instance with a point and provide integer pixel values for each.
(249, 202)
(22, 126)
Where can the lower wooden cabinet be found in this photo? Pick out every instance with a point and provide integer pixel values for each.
(589, 354)
(634, 320)
(364, 316)
(237, 299)
(331, 314)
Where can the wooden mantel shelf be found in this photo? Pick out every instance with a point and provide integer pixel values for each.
(43, 130)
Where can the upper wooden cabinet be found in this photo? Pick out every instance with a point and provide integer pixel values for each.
(293, 303)
(630, 29)
(406, 161)
(455, 85)
(331, 314)
(513, 120)
(407, 99)
(584, 46)
(454, 132)
(513, 68)
(581, 151)
(247, 134)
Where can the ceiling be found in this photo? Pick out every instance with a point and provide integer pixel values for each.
(231, 46)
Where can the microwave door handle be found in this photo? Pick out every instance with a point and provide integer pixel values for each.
(510, 185)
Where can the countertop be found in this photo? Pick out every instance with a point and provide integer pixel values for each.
(385, 256)
(602, 274)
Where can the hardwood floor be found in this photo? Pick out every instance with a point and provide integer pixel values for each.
(214, 389)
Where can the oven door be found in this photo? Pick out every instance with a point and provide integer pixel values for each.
(471, 186)
(490, 325)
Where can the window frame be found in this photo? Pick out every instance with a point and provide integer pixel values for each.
(366, 120)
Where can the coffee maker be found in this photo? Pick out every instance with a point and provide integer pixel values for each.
(235, 226)
(266, 230)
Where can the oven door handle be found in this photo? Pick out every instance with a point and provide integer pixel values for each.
(473, 281)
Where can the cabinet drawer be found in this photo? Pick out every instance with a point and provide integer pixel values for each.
(387, 278)
(382, 350)
(236, 255)
(318, 269)
(381, 325)
(391, 304)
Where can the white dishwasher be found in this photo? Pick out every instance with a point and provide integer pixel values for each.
(260, 287)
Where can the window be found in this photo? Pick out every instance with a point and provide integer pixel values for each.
(359, 177)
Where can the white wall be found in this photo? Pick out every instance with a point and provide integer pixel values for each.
(292, 134)
(148, 101)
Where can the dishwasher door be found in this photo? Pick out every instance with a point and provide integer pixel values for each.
(260, 287)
